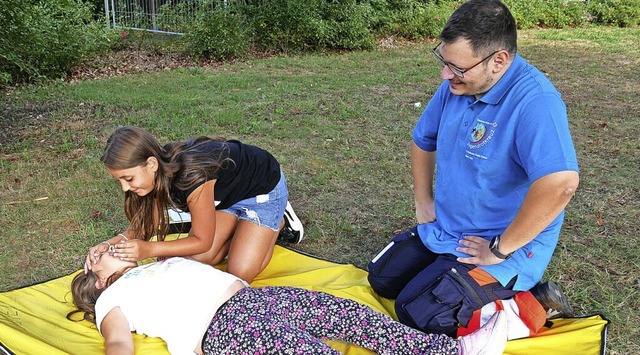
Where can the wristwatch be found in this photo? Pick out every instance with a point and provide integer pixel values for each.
(493, 246)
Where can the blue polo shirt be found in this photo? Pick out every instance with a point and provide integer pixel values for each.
(489, 152)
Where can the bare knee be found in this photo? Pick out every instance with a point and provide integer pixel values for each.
(248, 268)
(251, 250)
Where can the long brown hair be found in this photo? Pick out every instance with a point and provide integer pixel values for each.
(85, 293)
(180, 164)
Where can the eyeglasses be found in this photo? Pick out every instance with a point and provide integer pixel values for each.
(455, 70)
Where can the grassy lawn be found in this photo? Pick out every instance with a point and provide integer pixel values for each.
(341, 127)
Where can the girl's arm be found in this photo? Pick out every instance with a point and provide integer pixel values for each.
(203, 226)
(117, 336)
(202, 207)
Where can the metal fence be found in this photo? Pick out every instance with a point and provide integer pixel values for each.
(163, 16)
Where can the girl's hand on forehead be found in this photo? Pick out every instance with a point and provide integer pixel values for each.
(132, 250)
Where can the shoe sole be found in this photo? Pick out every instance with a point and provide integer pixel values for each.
(555, 299)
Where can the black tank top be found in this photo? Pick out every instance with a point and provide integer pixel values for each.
(254, 171)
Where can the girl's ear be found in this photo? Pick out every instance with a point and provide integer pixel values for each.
(152, 163)
(99, 284)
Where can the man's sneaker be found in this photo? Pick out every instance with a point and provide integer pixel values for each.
(551, 297)
(293, 231)
(490, 339)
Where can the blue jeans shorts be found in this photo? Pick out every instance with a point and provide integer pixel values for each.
(264, 210)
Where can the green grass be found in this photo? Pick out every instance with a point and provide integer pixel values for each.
(340, 125)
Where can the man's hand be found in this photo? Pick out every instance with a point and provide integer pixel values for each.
(478, 250)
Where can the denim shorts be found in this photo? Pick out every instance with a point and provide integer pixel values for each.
(264, 210)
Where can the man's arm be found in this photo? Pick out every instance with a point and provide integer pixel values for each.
(423, 165)
(546, 198)
(117, 336)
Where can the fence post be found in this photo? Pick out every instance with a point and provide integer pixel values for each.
(106, 12)
(113, 13)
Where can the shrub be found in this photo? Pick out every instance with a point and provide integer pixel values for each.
(222, 33)
(526, 13)
(285, 25)
(623, 13)
(311, 25)
(46, 38)
(563, 13)
(178, 17)
(421, 20)
(410, 19)
(345, 26)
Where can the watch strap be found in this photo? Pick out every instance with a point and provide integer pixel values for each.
(493, 246)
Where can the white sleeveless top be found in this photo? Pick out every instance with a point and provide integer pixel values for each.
(174, 299)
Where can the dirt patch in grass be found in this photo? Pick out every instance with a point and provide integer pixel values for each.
(130, 62)
(16, 119)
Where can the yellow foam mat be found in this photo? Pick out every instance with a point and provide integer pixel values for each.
(33, 319)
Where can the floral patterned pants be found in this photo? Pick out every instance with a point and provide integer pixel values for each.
(288, 320)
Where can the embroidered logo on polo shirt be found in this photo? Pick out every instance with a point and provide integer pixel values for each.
(481, 134)
(478, 132)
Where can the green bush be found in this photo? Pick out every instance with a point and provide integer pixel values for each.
(222, 33)
(416, 20)
(286, 25)
(311, 25)
(178, 17)
(345, 25)
(563, 13)
(46, 38)
(623, 13)
(548, 13)
(528, 14)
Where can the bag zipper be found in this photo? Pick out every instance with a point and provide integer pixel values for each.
(464, 283)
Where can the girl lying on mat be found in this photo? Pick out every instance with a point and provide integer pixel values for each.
(214, 312)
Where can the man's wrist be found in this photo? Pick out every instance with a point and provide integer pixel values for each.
(494, 248)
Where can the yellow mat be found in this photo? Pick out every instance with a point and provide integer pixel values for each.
(33, 319)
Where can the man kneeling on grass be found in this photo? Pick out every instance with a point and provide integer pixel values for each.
(495, 138)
